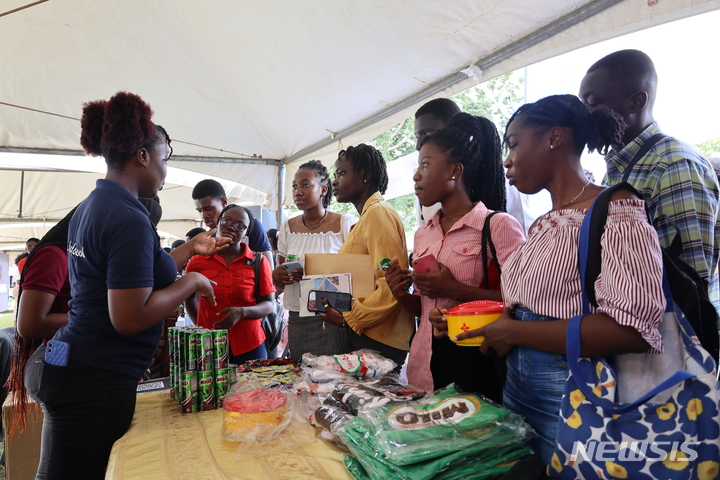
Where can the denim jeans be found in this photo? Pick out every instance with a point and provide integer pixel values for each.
(258, 352)
(534, 388)
(89, 408)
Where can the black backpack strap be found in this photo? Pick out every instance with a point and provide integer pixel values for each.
(649, 143)
(597, 226)
(487, 242)
(258, 264)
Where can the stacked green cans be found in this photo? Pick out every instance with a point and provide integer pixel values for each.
(199, 375)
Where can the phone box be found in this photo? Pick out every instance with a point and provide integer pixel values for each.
(22, 449)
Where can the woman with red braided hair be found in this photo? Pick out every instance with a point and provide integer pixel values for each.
(123, 284)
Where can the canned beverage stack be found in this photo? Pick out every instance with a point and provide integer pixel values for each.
(199, 375)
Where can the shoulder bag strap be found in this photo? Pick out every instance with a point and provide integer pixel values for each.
(573, 336)
(649, 143)
(590, 240)
(258, 264)
(487, 242)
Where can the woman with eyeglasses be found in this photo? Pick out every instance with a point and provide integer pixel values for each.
(233, 271)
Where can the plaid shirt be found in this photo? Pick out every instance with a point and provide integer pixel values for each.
(680, 185)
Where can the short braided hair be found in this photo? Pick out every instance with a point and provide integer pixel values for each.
(321, 172)
(251, 219)
(599, 130)
(368, 159)
(474, 142)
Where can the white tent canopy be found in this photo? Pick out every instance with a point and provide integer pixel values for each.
(249, 90)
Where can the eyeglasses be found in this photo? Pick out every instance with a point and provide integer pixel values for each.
(239, 226)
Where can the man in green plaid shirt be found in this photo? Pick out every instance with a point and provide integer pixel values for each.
(678, 183)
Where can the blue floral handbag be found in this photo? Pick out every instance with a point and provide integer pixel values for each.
(615, 423)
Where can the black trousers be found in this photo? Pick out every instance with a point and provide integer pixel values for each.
(89, 409)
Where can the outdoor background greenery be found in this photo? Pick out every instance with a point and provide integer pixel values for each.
(496, 99)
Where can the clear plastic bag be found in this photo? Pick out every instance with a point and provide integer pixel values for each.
(263, 420)
(359, 364)
(252, 411)
(446, 430)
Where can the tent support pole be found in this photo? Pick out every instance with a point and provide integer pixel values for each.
(281, 194)
(22, 188)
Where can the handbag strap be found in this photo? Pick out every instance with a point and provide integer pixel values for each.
(257, 263)
(487, 242)
(572, 345)
(649, 143)
(573, 336)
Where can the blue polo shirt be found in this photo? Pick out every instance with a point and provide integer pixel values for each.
(258, 240)
(112, 245)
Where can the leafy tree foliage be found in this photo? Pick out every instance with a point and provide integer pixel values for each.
(710, 147)
(496, 99)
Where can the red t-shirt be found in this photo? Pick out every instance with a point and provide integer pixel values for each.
(235, 288)
(21, 265)
(48, 273)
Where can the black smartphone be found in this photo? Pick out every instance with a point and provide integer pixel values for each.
(340, 301)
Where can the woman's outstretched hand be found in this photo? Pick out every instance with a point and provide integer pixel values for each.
(206, 244)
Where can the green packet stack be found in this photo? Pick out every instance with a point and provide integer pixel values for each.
(445, 436)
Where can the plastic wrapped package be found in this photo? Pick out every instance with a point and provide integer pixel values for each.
(476, 464)
(369, 394)
(445, 435)
(436, 425)
(276, 373)
(252, 411)
(359, 364)
(263, 420)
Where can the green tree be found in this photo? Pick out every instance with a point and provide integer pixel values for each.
(496, 99)
(710, 147)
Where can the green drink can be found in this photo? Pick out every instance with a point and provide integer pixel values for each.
(205, 351)
(291, 258)
(221, 386)
(193, 350)
(174, 383)
(206, 390)
(189, 391)
(181, 344)
(232, 374)
(220, 349)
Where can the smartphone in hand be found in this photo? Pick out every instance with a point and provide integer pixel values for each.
(340, 301)
(425, 264)
(292, 266)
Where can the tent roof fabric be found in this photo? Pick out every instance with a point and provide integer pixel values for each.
(273, 82)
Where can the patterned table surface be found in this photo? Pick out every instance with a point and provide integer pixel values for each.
(162, 443)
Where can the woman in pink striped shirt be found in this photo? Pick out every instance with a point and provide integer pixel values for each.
(459, 166)
(541, 281)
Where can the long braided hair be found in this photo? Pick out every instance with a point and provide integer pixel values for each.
(369, 160)
(24, 347)
(474, 142)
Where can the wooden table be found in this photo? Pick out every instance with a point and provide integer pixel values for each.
(162, 443)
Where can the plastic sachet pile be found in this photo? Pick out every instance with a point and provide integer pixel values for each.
(443, 435)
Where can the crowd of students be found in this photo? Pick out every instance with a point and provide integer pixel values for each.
(107, 253)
